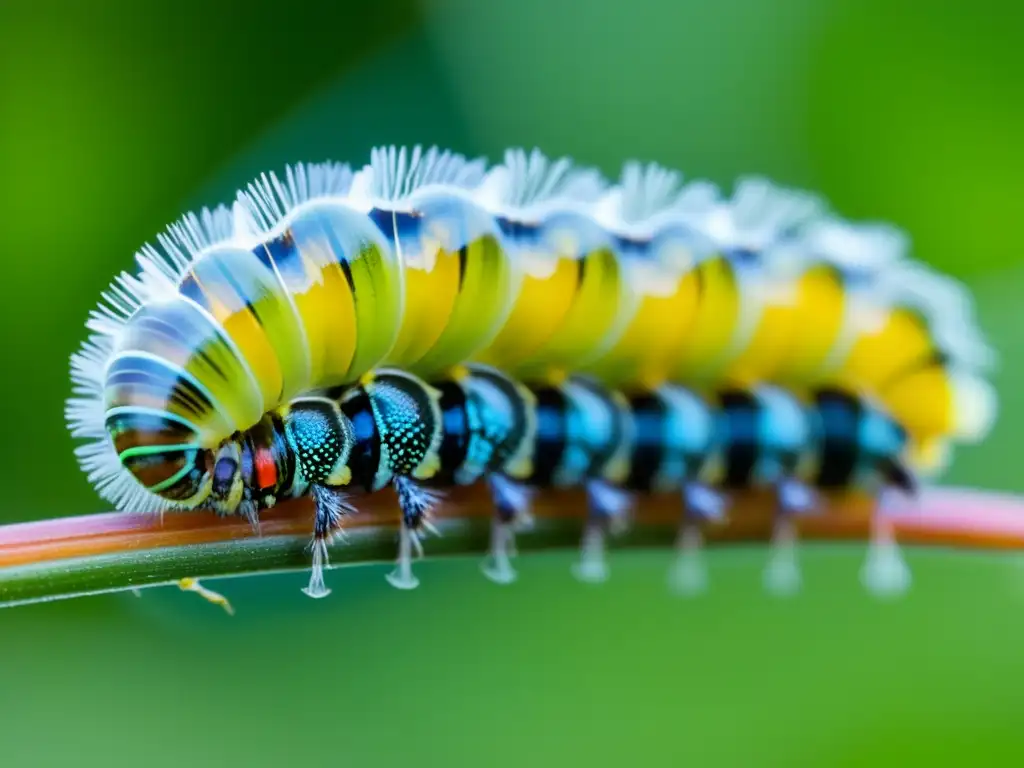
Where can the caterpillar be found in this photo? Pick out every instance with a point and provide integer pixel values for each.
(428, 322)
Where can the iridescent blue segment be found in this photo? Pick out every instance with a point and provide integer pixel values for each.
(860, 445)
(675, 437)
(765, 433)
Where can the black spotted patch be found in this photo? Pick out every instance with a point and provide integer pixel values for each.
(316, 434)
(408, 420)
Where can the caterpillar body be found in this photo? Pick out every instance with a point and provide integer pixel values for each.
(428, 322)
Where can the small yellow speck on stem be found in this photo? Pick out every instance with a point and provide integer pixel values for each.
(193, 585)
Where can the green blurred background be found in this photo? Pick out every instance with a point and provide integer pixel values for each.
(117, 116)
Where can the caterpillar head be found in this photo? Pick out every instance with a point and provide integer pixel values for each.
(138, 456)
(146, 409)
(162, 456)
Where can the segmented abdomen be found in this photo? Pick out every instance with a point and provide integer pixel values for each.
(423, 261)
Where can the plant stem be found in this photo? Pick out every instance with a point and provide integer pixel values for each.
(91, 554)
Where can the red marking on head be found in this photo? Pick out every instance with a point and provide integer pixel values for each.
(266, 469)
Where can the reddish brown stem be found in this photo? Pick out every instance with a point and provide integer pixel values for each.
(63, 557)
(949, 516)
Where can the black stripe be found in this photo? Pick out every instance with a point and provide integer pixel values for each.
(283, 257)
(364, 461)
(649, 419)
(346, 270)
(344, 259)
(219, 268)
(337, 252)
(518, 231)
(739, 419)
(552, 419)
(581, 270)
(239, 289)
(283, 455)
(463, 264)
(841, 415)
(455, 426)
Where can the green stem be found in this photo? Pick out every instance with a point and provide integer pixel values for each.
(138, 568)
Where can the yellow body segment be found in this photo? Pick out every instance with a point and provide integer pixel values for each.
(643, 355)
(815, 325)
(245, 297)
(714, 325)
(902, 340)
(794, 335)
(459, 280)
(600, 306)
(346, 284)
(923, 401)
(376, 289)
(542, 305)
(431, 289)
(485, 289)
(901, 366)
(327, 309)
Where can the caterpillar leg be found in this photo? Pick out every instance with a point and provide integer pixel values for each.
(688, 575)
(782, 574)
(511, 512)
(251, 512)
(608, 507)
(416, 503)
(193, 585)
(885, 573)
(331, 506)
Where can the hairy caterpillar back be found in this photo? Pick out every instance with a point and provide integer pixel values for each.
(221, 327)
